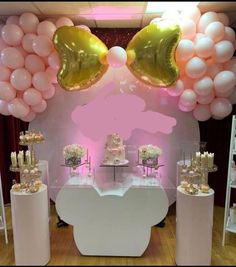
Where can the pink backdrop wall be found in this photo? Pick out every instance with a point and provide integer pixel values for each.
(117, 103)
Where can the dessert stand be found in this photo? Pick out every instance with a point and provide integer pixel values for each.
(115, 165)
(29, 173)
(194, 177)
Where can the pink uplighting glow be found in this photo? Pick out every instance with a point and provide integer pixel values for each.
(121, 113)
(113, 13)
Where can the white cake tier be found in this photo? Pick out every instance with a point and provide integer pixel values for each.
(114, 141)
(115, 155)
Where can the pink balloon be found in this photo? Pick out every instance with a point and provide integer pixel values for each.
(46, 28)
(7, 92)
(31, 116)
(224, 94)
(186, 108)
(21, 79)
(27, 42)
(41, 81)
(220, 107)
(185, 50)
(12, 34)
(203, 86)
(206, 19)
(40, 107)
(223, 18)
(116, 57)
(198, 36)
(188, 97)
(177, 89)
(13, 20)
(54, 60)
(32, 97)
(29, 22)
(64, 21)
(4, 108)
(223, 51)
(49, 93)
(204, 47)
(2, 44)
(193, 13)
(205, 99)
(202, 112)
(195, 68)
(213, 70)
(229, 35)
(188, 28)
(84, 27)
(22, 51)
(231, 65)
(216, 31)
(4, 73)
(42, 46)
(34, 63)
(18, 108)
(224, 81)
(12, 58)
(53, 74)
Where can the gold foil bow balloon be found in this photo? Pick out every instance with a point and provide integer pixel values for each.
(80, 53)
(151, 53)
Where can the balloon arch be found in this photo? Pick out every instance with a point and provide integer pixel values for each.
(189, 54)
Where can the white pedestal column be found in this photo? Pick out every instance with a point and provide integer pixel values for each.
(194, 221)
(30, 227)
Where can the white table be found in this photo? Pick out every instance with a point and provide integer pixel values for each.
(194, 222)
(30, 223)
(113, 220)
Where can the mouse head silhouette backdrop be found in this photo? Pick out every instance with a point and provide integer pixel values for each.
(190, 55)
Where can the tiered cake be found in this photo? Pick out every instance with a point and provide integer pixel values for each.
(114, 150)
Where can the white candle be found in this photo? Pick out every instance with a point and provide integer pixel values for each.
(20, 159)
(87, 154)
(28, 157)
(210, 160)
(204, 162)
(198, 157)
(13, 159)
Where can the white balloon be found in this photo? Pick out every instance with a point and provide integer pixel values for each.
(195, 68)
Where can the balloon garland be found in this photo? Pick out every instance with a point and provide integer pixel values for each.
(188, 53)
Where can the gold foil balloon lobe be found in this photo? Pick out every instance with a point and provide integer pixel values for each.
(151, 53)
(80, 53)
